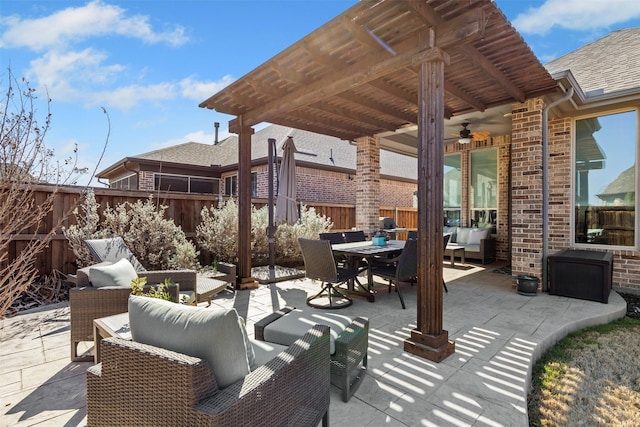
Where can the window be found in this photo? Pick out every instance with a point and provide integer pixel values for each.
(231, 185)
(483, 189)
(605, 180)
(185, 184)
(128, 183)
(452, 190)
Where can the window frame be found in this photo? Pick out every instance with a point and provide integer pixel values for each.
(572, 216)
(214, 181)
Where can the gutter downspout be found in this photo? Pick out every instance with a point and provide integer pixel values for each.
(545, 184)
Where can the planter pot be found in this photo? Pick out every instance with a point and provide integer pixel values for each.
(527, 285)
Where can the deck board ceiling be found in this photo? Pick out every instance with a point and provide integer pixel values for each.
(357, 75)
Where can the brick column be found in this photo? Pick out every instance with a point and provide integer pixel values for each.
(526, 188)
(368, 184)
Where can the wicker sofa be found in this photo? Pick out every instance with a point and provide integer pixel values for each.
(138, 383)
(477, 242)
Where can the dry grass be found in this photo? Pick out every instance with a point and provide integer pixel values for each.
(591, 378)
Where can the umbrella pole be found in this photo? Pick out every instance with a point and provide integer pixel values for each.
(270, 227)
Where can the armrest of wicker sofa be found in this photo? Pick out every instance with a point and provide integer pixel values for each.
(185, 278)
(126, 388)
(488, 250)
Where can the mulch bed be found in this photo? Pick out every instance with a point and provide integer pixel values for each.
(633, 304)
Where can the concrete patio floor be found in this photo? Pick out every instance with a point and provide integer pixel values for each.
(498, 334)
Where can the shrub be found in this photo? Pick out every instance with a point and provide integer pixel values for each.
(218, 233)
(156, 241)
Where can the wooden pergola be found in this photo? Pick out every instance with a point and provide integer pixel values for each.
(383, 66)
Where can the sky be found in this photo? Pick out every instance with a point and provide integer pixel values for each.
(149, 63)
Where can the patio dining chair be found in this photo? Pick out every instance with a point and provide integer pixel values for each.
(403, 268)
(354, 236)
(320, 264)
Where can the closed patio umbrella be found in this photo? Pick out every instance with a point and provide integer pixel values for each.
(286, 206)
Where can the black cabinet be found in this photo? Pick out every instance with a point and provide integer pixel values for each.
(581, 274)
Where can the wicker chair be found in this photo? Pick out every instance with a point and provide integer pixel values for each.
(142, 385)
(319, 264)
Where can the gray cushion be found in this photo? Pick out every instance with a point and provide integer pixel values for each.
(112, 250)
(210, 334)
(119, 274)
(264, 352)
(296, 323)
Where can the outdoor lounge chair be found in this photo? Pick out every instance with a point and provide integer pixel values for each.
(191, 380)
(320, 264)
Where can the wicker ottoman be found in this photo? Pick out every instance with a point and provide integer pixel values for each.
(349, 341)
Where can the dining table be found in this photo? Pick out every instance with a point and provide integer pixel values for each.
(357, 251)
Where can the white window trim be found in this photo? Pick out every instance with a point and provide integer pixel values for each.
(572, 215)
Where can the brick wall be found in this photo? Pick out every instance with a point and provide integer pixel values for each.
(145, 181)
(526, 188)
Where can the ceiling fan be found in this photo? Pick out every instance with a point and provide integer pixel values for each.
(466, 136)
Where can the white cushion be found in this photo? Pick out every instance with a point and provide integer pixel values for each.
(476, 235)
(210, 334)
(287, 329)
(462, 235)
(120, 273)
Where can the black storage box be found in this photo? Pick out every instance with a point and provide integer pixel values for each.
(581, 274)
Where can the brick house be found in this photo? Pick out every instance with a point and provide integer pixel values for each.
(325, 169)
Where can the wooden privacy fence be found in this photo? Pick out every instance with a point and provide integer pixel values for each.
(183, 208)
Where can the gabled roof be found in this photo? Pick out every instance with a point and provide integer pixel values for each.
(607, 65)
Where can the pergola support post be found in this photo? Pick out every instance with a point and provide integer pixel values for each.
(368, 184)
(244, 281)
(429, 340)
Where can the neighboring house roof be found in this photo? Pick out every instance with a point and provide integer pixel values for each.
(192, 153)
(623, 184)
(607, 65)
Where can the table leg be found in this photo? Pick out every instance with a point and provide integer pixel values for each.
(452, 258)
(462, 257)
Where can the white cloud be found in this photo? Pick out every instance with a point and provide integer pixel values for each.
(200, 90)
(581, 15)
(74, 24)
(56, 69)
(127, 97)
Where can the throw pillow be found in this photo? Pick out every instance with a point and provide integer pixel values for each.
(477, 235)
(120, 273)
(212, 335)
